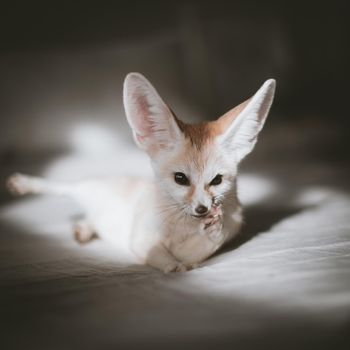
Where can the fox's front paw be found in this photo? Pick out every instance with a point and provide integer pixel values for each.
(214, 218)
(212, 222)
(212, 227)
(175, 267)
(193, 266)
(18, 184)
(83, 232)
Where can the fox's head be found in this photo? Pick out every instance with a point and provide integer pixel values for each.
(195, 165)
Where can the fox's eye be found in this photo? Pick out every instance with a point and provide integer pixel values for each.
(181, 179)
(216, 181)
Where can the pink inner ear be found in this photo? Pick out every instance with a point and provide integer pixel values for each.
(225, 121)
(143, 125)
(139, 138)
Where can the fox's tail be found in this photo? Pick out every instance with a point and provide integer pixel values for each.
(19, 184)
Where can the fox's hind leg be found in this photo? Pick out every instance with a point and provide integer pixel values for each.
(19, 184)
(84, 232)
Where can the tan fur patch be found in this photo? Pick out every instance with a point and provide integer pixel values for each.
(203, 133)
(198, 134)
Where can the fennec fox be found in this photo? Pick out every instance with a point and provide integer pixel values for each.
(190, 209)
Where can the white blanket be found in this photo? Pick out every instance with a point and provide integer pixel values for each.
(284, 283)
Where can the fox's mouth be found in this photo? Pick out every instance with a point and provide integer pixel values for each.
(201, 216)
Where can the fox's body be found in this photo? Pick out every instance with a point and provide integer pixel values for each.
(132, 215)
(190, 208)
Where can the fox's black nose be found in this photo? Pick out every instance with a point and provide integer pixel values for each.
(201, 209)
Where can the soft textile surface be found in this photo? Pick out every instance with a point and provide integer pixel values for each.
(285, 282)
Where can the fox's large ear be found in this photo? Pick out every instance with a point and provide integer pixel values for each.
(153, 124)
(241, 125)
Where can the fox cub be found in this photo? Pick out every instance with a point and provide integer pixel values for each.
(190, 209)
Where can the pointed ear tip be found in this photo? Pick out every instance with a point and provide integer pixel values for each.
(269, 87)
(132, 76)
(271, 83)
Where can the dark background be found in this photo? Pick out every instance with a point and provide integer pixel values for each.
(227, 45)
